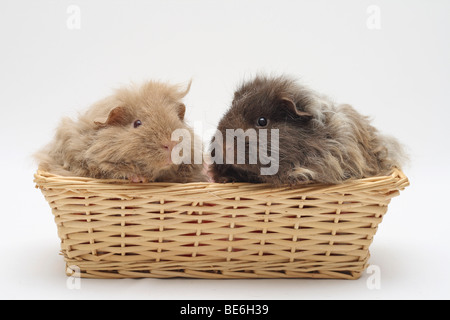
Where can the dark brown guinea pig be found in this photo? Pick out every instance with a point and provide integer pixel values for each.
(127, 135)
(318, 141)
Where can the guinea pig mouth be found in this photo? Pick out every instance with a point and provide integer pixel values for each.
(166, 160)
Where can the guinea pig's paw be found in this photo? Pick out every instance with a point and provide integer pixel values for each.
(225, 180)
(301, 175)
(134, 178)
(296, 181)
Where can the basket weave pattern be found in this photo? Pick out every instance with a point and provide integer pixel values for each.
(112, 229)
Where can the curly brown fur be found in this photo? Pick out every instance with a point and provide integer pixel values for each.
(318, 141)
(105, 143)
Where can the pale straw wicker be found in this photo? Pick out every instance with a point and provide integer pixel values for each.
(112, 229)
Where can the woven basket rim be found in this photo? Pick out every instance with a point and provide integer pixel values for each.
(397, 180)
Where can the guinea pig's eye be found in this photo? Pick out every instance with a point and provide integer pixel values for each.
(137, 123)
(262, 122)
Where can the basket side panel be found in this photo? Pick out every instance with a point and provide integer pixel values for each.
(237, 233)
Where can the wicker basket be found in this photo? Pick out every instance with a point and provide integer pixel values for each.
(111, 229)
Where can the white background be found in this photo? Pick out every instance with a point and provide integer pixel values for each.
(399, 75)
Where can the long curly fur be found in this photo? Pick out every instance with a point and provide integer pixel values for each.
(319, 141)
(104, 142)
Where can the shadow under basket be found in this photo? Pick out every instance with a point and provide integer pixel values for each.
(116, 229)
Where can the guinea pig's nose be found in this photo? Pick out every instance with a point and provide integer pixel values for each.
(169, 146)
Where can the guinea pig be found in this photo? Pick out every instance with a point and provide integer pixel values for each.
(127, 135)
(317, 140)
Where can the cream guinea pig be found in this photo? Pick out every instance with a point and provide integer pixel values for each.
(125, 136)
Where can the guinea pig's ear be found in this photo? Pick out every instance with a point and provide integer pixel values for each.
(188, 88)
(290, 105)
(117, 116)
(181, 110)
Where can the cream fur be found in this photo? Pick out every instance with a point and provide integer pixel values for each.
(103, 143)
